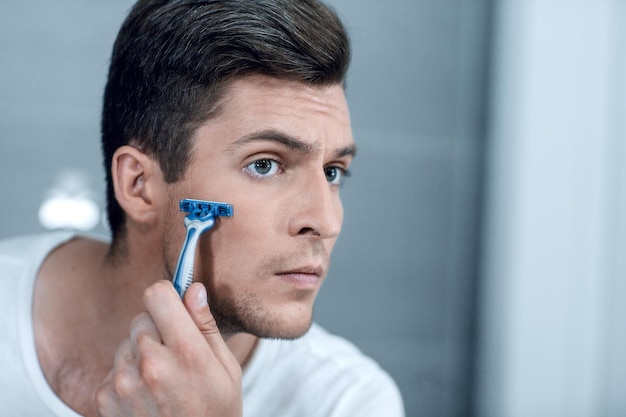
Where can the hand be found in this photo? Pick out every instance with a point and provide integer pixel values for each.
(175, 363)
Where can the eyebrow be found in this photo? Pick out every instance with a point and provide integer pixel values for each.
(347, 151)
(288, 141)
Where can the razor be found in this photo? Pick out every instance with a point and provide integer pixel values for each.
(201, 218)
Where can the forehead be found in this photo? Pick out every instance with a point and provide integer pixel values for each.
(260, 87)
(257, 101)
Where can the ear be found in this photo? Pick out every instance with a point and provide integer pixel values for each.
(137, 181)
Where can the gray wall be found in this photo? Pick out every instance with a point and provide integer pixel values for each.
(404, 272)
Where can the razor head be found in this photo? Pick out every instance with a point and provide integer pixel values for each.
(201, 209)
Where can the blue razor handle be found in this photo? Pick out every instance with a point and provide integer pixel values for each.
(201, 218)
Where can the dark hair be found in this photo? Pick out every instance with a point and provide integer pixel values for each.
(172, 61)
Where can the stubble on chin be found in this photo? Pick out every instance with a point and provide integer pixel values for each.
(248, 314)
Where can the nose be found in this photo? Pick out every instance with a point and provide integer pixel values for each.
(317, 211)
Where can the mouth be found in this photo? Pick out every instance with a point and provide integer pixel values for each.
(307, 277)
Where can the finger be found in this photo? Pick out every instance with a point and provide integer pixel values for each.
(124, 377)
(104, 396)
(195, 301)
(144, 334)
(172, 320)
(124, 355)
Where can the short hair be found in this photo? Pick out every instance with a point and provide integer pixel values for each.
(173, 60)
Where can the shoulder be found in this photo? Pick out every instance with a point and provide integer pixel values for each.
(22, 259)
(326, 371)
(29, 246)
(22, 256)
(24, 388)
(34, 248)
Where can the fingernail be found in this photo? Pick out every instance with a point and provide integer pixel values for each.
(202, 296)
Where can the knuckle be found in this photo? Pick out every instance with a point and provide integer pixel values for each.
(123, 382)
(142, 340)
(157, 290)
(139, 319)
(162, 285)
(150, 370)
(103, 397)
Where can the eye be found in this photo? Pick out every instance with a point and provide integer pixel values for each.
(263, 168)
(335, 175)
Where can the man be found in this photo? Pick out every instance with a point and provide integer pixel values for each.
(239, 101)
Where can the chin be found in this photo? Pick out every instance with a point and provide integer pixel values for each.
(288, 332)
(287, 328)
(279, 322)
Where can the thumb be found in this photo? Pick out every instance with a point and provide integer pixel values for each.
(197, 305)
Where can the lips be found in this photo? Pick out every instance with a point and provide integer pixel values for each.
(303, 277)
(308, 270)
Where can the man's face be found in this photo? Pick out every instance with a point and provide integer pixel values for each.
(277, 151)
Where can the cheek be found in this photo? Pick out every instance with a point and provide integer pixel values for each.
(253, 219)
(239, 244)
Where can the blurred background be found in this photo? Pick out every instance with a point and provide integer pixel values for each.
(483, 258)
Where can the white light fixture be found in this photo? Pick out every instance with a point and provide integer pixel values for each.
(69, 204)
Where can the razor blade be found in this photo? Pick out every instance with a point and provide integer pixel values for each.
(200, 209)
(201, 218)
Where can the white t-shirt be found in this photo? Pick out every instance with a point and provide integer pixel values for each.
(314, 376)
